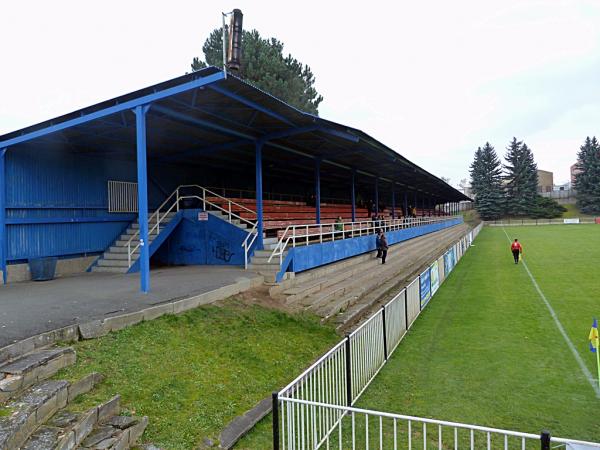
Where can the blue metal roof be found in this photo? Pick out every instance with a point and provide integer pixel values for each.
(205, 116)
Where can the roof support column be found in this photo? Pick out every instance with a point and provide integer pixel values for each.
(415, 205)
(405, 212)
(142, 178)
(393, 202)
(3, 233)
(353, 195)
(259, 196)
(318, 190)
(377, 196)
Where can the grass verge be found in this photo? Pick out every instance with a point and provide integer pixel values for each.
(191, 374)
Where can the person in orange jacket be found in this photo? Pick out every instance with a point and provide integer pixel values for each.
(516, 250)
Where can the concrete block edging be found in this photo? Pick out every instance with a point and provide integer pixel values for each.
(101, 327)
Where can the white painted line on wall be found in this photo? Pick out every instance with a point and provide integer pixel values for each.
(586, 373)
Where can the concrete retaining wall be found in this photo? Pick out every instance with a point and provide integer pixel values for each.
(64, 267)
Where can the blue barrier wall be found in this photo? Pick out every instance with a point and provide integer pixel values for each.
(299, 259)
(57, 205)
(199, 242)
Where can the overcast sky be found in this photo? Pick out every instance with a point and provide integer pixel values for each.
(431, 79)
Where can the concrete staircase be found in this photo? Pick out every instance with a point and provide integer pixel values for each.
(345, 291)
(115, 259)
(223, 216)
(260, 260)
(36, 412)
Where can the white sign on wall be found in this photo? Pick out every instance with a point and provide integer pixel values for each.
(575, 220)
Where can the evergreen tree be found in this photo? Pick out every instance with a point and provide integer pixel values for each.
(587, 181)
(521, 179)
(486, 181)
(265, 66)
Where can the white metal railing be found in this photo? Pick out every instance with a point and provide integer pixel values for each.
(519, 222)
(357, 428)
(306, 234)
(367, 353)
(122, 197)
(207, 198)
(315, 409)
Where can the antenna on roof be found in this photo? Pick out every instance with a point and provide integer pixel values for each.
(232, 51)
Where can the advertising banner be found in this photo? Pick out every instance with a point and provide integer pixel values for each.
(574, 220)
(425, 285)
(447, 263)
(442, 272)
(434, 275)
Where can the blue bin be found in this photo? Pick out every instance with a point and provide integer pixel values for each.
(42, 269)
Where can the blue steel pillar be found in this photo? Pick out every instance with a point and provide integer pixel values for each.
(3, 234)
(393, 202)
(376, 196)
(353, 196)
(259, 196)
(318, 190)
(142, 177)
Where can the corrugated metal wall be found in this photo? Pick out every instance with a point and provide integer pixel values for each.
(46, 190)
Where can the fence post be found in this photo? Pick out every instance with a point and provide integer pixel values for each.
(406, 307)
(385, 351)
(275, 421)
(545, 440)
(348, 372)
(420, 306)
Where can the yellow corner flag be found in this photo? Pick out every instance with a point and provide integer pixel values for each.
(595, 345)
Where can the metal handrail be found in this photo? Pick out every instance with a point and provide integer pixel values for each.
(295, 233)
(214, 194)
(157, 226)
(178, 197)
(248, 245)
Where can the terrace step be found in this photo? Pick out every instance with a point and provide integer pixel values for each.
(111, 269)
(97, 428)
(31, 410)
(123, 242)
(64, 431)
(344, 290)
(116, 249)
(119, 256)
(224, 216)
(114, 263)
(117, 432)
(369, 301)
(32, 368)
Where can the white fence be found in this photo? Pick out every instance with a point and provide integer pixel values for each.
(122, 197)
(519, 222)
(357, 428)
(316, 409)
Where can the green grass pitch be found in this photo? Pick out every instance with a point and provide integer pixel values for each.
(486, 350)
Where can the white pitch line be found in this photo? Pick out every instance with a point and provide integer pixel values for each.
(586, 373)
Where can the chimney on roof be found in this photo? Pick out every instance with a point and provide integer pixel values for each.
(234, 54)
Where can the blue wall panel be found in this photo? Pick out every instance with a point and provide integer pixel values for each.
(194, 242)
(55, 184)
(309, 257)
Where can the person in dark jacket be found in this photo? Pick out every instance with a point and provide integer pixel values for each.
(383, 246)
(378, 243)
